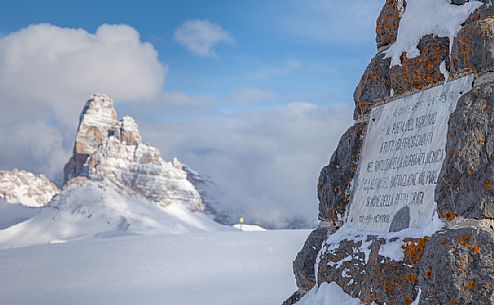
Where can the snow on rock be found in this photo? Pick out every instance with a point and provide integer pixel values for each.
(111, 149)
(328, 294)
(424, 17)
(88, 208)
(18, 186)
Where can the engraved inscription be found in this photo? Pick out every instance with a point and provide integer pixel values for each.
(401, 160)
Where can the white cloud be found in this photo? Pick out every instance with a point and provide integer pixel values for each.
(201, 36)
(47, 73)
(33, 145)
(266, 162)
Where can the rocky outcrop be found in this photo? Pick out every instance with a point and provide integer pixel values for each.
(473, 50)
(22, 187)
(457, 268)
(467, 185)
(111, 149)
(363, 272)
(421, 72)
(388, 22)
(334, 185)
(306, 259)
(374, 87)
(452, 263)
(97, 119)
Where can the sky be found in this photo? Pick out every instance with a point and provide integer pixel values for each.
(254, 94)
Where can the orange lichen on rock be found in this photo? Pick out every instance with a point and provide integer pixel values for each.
(465, 240)
(428, 273)
(423, 71)
(387, 23)
(414, 249)
(471, 285)
(469, 172)
(452, 152)
(480, 138)
(450, 216)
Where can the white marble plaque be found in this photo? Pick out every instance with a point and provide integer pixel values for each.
(401, 160)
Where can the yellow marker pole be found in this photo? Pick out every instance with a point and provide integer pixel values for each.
(241, 222)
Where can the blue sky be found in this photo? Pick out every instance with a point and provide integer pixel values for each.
(330, 42)
(260, 109)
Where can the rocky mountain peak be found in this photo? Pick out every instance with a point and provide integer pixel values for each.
(18, 186)
(110, 149)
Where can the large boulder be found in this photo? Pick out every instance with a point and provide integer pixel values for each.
(388, 22)
(457, 266)
(467, 185)
(374, 87)
(334, 185)
(473, 48)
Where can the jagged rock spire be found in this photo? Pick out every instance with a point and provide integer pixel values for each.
(110, 149)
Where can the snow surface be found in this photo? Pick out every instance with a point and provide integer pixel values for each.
(97, 209)
(216, 268)
(248, 228)
(424, 17)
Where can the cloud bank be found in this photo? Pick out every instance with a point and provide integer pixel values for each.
(267, 162)
(46, 74)
(201, 36)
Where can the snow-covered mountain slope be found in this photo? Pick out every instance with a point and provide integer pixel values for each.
(18, 186)
(218, 268)
(97, 209)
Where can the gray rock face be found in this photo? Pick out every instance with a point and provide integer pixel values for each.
(457, 267)
(334, 185)
(303, 266)
(388, 22)
(294, 298)
(374, 86)
(473, 48)
(468, 171)
(459, 2)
